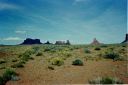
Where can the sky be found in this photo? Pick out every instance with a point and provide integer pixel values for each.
(76, 20)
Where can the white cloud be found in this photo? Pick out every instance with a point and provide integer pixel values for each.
(12, 39)
(77, 1)
(20, 32)
(5, 6)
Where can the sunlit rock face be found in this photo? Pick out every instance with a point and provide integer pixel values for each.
(30, 41)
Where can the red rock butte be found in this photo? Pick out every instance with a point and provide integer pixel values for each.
(95, 42)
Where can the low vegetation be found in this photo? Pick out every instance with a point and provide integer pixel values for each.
(39, 54)
(87, 50)
(2, 61)
(112, 55)
(7, 75)
(51, 67)
(106, 80)
(18, 65)
(97, 48)
(77, 62)
(66, 58)
(57, 61)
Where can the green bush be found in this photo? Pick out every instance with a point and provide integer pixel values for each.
(57, 61)
(106, 80)
(2, 81)
(104, 46)
(112, 55)
(18, 65)
(2, 61)
(47, 49)
(77, 62)
(51, 67)
(97, 48)
(14, 60)
(39, 54)
(8, 75)
(87, 50)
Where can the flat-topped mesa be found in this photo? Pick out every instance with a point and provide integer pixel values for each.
(30, 41)
(95, 42)
(126, 39)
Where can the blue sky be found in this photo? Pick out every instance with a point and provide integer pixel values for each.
(76, 20)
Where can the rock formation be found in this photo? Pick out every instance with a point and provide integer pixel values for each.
(126, 39)
(48, 43)
(95, 42)
(62, 42)
(30, 41)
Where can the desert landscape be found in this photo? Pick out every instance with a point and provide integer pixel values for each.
(45, 64)
(63, 42)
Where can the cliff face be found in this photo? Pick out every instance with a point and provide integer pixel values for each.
(30, 41)
(126, 39)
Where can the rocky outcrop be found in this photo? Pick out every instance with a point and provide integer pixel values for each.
(48, 43)
(95, 42)
(62, 42)
(30, 41)
(126, 39)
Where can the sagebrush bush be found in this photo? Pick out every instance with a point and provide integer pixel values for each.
(106, 80)
(14, 60)
(57, 61)
(51, 67)
(39, 54)
(2, 61)
(97, 48)
(87, 50)
(7, 75)
(17, 65)
(112, 55)
(2, 81)
(77, 62)
(104, 46)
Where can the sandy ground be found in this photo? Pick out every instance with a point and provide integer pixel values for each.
(36, 72)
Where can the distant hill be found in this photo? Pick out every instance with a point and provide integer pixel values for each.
(95, 42)
(30, 41)
(126, 39)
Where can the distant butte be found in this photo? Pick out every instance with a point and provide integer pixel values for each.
(30, 41)
(95, 42)
(126, 39)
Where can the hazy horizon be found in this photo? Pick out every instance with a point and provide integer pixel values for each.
(76, 20)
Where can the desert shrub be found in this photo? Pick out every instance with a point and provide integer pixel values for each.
(68, 54)
(87, 50)
(97, 48)
(14, 60)
(51, 67)
(8, 75)
(26, 56)
(17, 65)
(2, 61)
(39, 54)
(2, 67)
(77, 62)
(112, 55)
(2, 81)
(47, 49)
(106, 80)
(35, 49)
(57, 61)
(104, 46)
